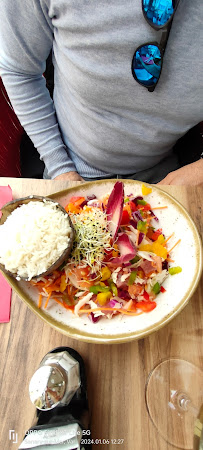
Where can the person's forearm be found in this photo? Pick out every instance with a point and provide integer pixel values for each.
(189, 175)
(35, 110)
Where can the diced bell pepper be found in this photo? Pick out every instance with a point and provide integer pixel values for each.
(115, 252)
(159, 250)
(142, 226)
(98, 288)
(141, 202)
(105, 273)
(135, 260)
(63, 283)
(156, 248)
(132, 277)
(156, 288)
(146, 190)
(113, 287)
(103, 297)
(161, 239)
(174, 270)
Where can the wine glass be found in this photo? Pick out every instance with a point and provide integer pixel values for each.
(174, 398)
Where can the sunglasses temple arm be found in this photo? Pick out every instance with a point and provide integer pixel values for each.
(162, 45)
(164, 37)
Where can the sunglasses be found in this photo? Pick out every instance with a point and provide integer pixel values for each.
(148, 58)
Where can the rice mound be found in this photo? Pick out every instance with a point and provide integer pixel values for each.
(33, 237)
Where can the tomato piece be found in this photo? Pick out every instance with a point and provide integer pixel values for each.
(108, 256)
(125, 218)
(79, 277)
(133, 206)
(162, 289)
(76, 199)
(156, 234)
(74, 204)
(146, 207)
(150, 232)
(72, 208)
(146, 306)
(81, 272)
(146, 295)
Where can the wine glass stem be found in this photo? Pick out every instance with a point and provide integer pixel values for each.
(183, 402)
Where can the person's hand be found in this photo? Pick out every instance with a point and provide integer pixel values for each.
(192, 174)
(69, 176)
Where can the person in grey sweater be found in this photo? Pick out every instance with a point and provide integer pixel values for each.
(101, 122)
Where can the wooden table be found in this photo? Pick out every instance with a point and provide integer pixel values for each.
(116, 373)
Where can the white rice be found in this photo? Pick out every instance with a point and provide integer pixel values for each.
(33, 237)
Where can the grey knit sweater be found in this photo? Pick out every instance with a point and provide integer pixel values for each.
(108, 123)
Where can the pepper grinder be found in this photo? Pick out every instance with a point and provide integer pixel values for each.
(58, 390)
(55, 381)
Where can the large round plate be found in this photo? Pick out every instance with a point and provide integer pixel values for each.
(179, 288)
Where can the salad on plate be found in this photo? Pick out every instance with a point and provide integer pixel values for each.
(119, 260)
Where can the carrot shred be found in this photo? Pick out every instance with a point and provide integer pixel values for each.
(167, 239)
(38, 283)
(68, 289)
(71, 292)
(159, 207)
(58, 301)
(87, 311)
(103, 308)
(69, 307)
(149, 218)
(47, 300)
(53, 286)
(40, 301)
(174, 245)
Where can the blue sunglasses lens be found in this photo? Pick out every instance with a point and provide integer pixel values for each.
(158, 12)
(146, 65)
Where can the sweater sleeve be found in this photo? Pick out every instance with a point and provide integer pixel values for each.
(26, 37)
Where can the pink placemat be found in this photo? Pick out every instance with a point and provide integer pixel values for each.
(5, 289)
